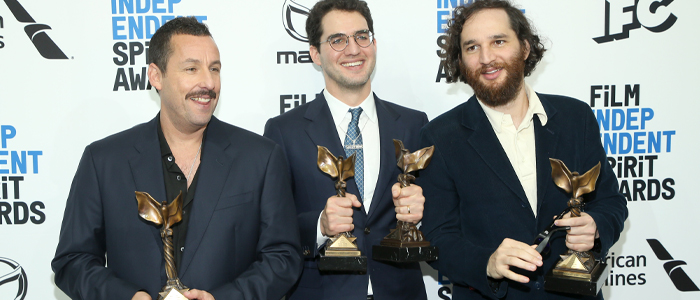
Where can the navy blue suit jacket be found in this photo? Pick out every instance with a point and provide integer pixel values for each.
(242, 239)
(299, 131)
(479, 201)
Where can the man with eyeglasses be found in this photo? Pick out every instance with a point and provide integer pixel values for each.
(348, 118)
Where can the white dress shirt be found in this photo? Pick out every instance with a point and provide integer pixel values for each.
(519, 143)
(369, 129)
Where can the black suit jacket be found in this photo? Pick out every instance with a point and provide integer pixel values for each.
(479, 199)
(299, 131)
(242, 240)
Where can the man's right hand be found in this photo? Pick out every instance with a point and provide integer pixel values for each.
(337, 215)
(141, 296)
(512, 253)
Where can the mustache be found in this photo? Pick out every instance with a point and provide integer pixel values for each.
(210, 93)
(493, 65)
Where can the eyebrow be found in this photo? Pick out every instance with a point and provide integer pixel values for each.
(196, 61)
(356, 32)
(492, 37)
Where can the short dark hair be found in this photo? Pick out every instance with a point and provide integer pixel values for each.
(518, 22)
(323, 7)
(159, 49)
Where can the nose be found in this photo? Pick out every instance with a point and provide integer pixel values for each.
(352, 48)
(209, 79)
(486, 55)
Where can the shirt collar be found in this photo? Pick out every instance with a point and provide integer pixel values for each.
(534, 108)
(165, 148)
(339, 109)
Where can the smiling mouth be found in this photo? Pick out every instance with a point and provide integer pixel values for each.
(201, 100)
(353, 64)
(493, 71)
(201, 96)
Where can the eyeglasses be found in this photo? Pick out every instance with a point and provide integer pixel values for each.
(340, 41)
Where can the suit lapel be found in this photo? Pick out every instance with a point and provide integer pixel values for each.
(147, 170)
(546, 139)
(388, 130)
(488, 147)
(322, 132)
(213, 172)
(321, 128)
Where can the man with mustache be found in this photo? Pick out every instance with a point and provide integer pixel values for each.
(238, 237)
(347, 117)
(491, 170)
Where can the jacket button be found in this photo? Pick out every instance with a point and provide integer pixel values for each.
(367, 230)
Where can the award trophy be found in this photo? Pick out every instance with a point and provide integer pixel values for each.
(405, 243)
(166, 215)
(341, 252)
(575, 272)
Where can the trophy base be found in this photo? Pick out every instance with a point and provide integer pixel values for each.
(577, 283)
(173, 290)
(404, 254)
(343, 263)
(172, 294)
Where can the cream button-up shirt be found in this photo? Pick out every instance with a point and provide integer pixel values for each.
(519, 143)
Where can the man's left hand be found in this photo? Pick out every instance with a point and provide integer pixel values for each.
(583, 232)
(408, 202)
(198, 294)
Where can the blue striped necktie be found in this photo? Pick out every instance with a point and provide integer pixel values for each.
(353, 145)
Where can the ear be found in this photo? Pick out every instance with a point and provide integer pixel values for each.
(315, 55)
(527, 49)
(155, 76)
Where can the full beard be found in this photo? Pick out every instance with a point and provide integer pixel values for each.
(494, 94)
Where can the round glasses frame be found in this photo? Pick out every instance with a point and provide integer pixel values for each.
(366, 38)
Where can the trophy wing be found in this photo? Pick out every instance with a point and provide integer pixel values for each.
(586, 182)
(398, 151)
(174, 211)
(398, 146)
(348, 168)
(327, 162)
(420, 159)
(561, 175)
(149, 208)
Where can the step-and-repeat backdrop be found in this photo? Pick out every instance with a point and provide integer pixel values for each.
(72, 72)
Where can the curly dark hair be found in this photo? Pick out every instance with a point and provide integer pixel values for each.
(159, 49)
(323, 7)
(518, 22)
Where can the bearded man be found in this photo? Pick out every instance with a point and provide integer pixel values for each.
(490, 174)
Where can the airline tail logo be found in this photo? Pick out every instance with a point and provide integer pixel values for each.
(673, 268)
(36, 32)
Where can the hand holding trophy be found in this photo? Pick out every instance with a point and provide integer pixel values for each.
(576, 272)
(406, 243)
(341, 252)
(166, 215)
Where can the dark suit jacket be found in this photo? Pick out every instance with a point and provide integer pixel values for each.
(479, 200)
(242, 240)
(299, 131)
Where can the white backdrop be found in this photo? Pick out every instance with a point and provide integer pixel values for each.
(51, 108)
